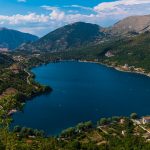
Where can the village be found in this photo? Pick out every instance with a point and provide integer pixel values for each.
(122, 126)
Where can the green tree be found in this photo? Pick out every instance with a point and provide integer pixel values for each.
(68, 132)
(134, 116)
(103, 121)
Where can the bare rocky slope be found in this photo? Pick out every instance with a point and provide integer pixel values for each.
(131, 25)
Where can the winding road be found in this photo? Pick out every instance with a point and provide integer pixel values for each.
(28, 77)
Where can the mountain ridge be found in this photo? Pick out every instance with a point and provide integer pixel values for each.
(70, 36)
(78, 34)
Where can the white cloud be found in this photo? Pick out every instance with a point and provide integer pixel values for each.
(56, 13)
(116, 4)
(23, 19)
(122, 7)
(22, 0)
(51, 8)
(79, 6)
(103, 14)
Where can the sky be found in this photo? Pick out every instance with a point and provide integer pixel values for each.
(42, 16)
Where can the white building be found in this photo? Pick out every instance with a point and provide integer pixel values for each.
(146, 119)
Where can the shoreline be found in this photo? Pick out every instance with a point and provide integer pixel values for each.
(82, 61)
(118, 68)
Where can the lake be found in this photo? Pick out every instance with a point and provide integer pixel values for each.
(83, 92)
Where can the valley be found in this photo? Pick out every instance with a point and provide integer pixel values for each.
(124, 46)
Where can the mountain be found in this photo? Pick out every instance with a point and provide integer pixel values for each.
(68, 37)
(133, 51)
(133, 25)
(10, 39)
(80, 34)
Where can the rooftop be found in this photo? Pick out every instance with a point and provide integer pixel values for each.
(146, 117)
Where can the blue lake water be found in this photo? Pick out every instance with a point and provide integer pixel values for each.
(82, 92)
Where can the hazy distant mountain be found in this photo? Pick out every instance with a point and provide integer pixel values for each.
(133, 24)
(10, 39)
(68, 37)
